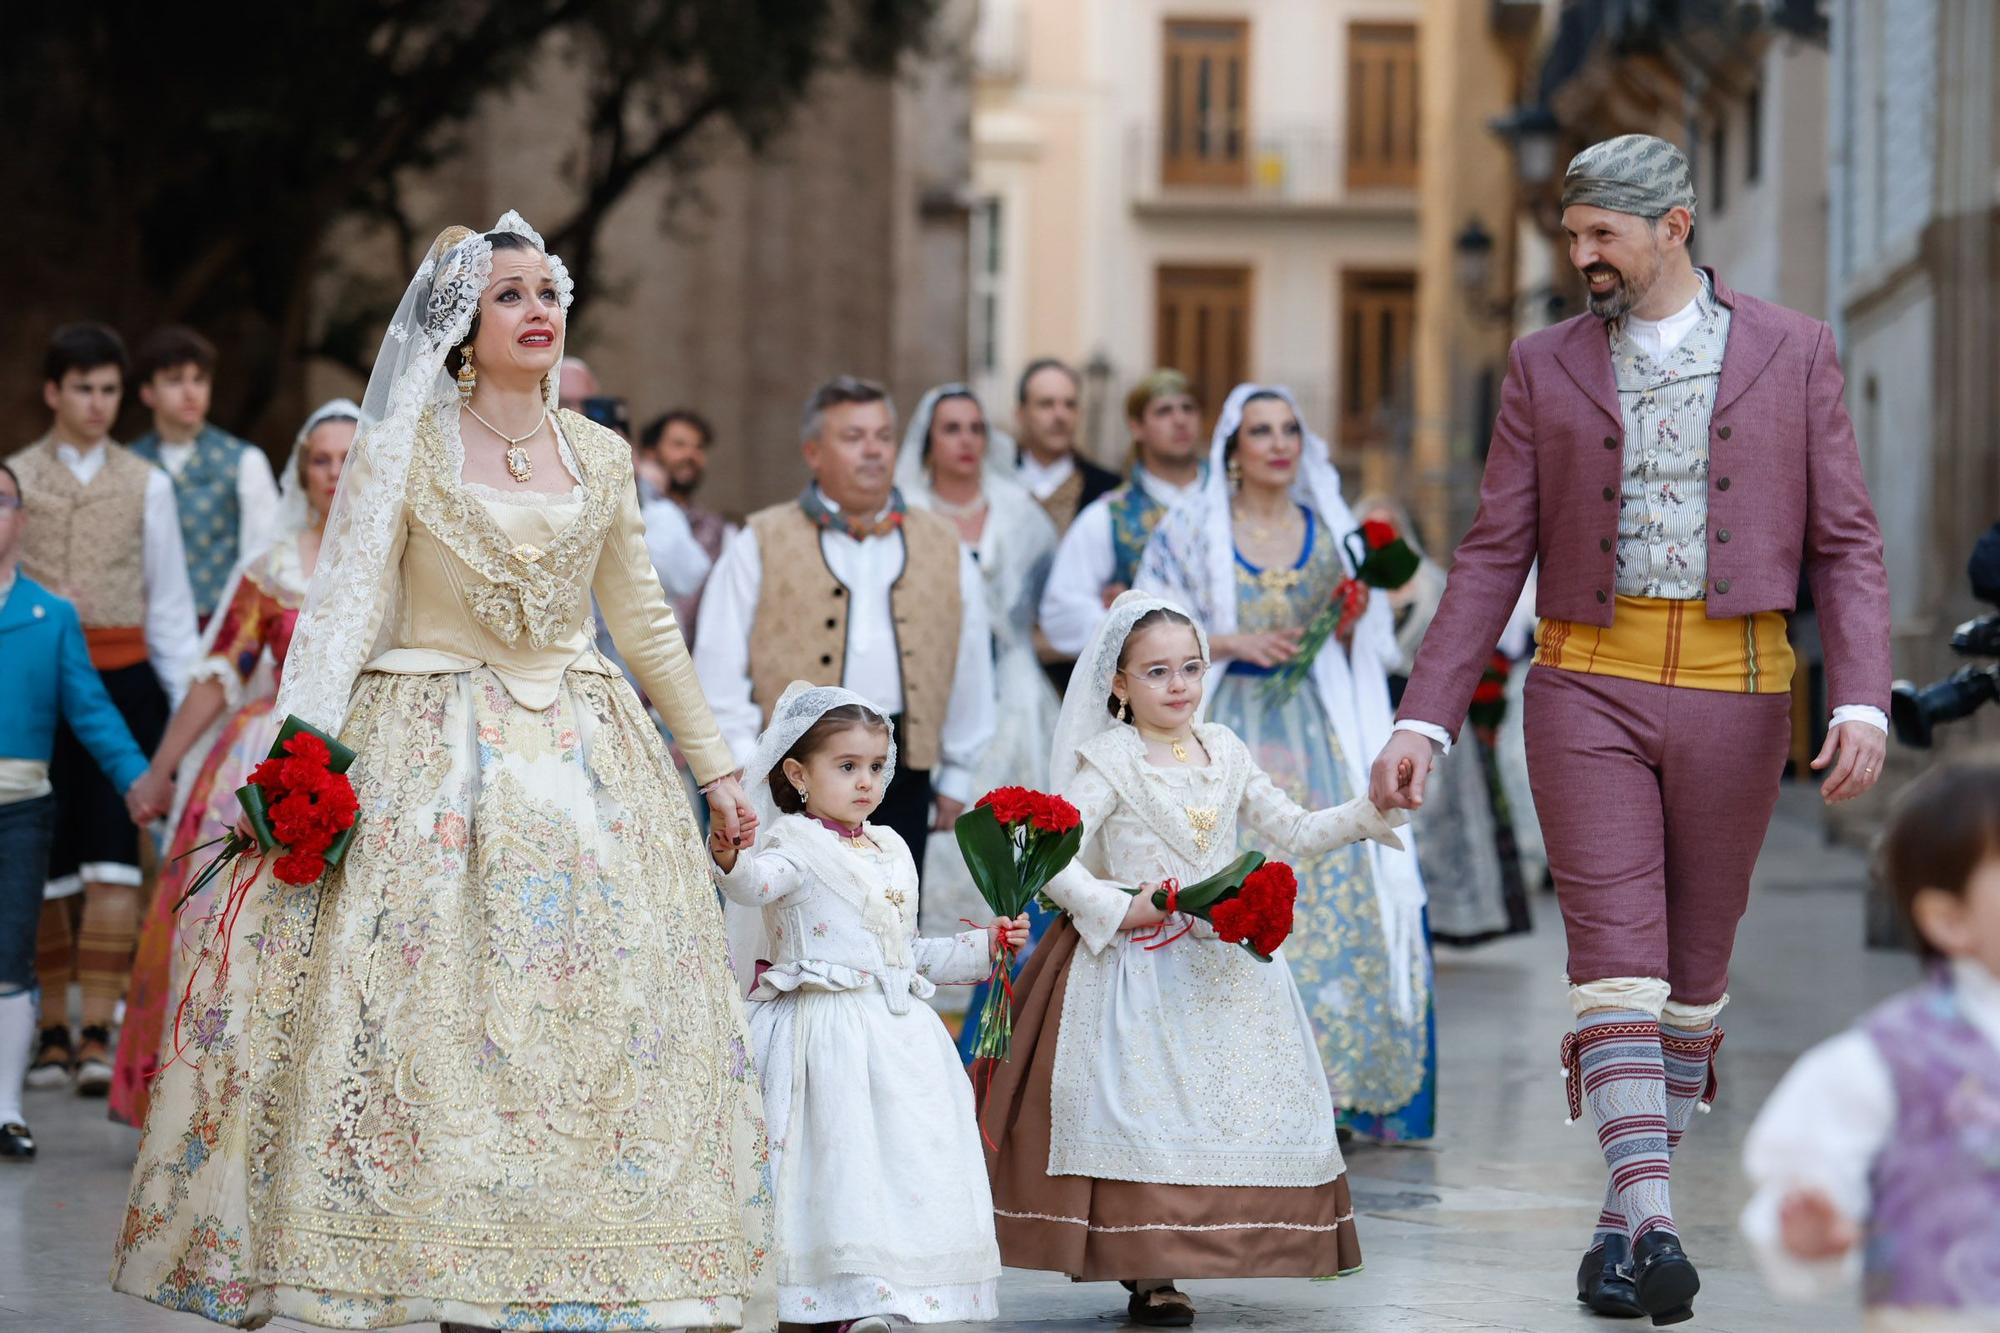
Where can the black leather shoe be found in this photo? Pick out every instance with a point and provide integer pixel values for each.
(1664, 1278)
(16, 1142)
(1604, 1282)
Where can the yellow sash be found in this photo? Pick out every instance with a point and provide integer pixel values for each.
(1665, 642)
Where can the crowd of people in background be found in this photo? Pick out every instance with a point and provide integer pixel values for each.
(944, 568)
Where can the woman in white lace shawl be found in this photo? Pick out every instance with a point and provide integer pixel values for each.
(1164, 1114)
(491, 1069)
(1256, 554)
(954, 465)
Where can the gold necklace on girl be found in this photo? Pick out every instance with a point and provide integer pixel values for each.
(519, 466)
(1177, 744)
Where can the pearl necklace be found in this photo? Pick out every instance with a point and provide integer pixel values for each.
(519, 466)
(946, 509)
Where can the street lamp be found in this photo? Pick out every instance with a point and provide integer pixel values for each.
(1474, 248)
(1532, 132)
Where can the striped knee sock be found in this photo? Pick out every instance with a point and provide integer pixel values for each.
(104, 949)
(1614, 1062)
(1688, 1058)
(55, 960)
(1688, 1055)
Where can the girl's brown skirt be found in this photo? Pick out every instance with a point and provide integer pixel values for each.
(1097, 1230)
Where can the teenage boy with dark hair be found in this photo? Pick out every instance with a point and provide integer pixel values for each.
(223, 487)
(103, 533)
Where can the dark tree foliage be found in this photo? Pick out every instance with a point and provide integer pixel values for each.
(176, 163)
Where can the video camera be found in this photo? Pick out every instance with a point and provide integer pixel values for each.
(1916, 712)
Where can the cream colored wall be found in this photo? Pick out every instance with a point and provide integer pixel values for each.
(1058, 146)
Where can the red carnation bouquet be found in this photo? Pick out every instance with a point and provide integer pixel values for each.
(300, 805)
(1382, 559)
(1015, 841)
(1248, 902)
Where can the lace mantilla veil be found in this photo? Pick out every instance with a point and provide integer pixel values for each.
(801, 705)
(351, 603)
(913, 474)
(1084, 715)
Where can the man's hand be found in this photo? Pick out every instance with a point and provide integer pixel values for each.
(1113, 591)
(729, 810)
(947, 813)
(1855, 750)
(1396, 781)
(1812, 1227)
(150, 796)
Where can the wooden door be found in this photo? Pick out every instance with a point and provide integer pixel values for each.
(1378, 318)
(1202, 328)
(1204, 122)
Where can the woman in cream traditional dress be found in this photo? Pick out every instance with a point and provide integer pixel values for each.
(491, 1069)
(953, 466)
(1164, 1114)
(1256, 554)
(221, 730)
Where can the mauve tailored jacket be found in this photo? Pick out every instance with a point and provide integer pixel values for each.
(1785, 492)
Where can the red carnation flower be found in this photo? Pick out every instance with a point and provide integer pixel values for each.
(1052, 814)
(1378, 533)
(299, 867)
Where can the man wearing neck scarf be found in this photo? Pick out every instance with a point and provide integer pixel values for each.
(846, 585)
(1676, 458)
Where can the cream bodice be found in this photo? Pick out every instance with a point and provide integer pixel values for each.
(838, 917)
(506, 581)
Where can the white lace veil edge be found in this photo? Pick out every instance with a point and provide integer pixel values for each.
(351, 602)
(1084, 714)
(913, 473)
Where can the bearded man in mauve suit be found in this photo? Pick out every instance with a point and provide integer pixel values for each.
(1673, 459)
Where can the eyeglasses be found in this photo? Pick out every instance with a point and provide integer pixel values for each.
(1158, 677)
(9, 502)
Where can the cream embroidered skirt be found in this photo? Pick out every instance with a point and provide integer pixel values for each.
(491, 1069)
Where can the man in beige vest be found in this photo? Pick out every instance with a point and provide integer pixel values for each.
(104, 533)
(844, 586)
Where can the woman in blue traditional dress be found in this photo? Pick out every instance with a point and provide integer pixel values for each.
(1257, 553)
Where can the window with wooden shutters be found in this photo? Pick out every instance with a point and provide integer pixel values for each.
(1204, 124)
(1202, 328)
(1378, 317)
(1381, 105)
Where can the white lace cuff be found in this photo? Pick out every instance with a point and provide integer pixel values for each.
(220, 671)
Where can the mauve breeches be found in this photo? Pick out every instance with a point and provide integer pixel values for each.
(1654, 801)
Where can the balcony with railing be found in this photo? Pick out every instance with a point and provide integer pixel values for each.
(1214, 167)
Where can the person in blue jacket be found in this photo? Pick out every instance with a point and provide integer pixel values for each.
(48, 676)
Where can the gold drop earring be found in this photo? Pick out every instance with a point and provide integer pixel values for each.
(1124, 710)
(468, 376)
(1234, 470)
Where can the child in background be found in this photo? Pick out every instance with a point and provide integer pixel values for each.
(882, 1205)
(1879, 1153)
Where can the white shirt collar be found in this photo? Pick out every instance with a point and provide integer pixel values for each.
(1979, 996)
(1043, 479)
(1163, 490)
(70, 453)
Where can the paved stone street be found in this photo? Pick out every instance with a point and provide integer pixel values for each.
(1479, 1231)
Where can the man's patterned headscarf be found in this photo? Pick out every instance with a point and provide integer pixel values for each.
(1634, 173)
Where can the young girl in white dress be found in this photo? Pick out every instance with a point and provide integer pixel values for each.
(883, 1210)
(1164, 1114)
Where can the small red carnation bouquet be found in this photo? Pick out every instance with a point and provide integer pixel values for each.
(300, 804)
(1382, 559)
(1248, 902)
(1015, 841)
